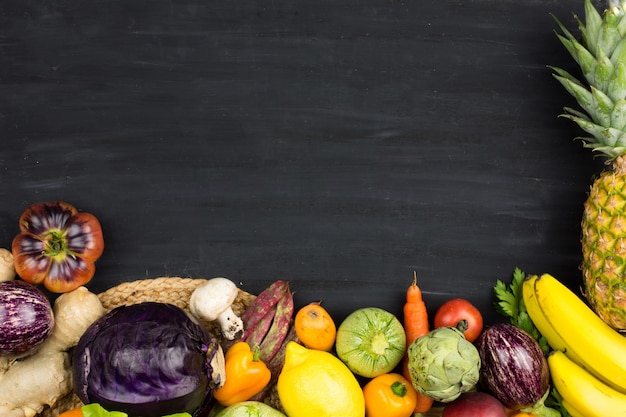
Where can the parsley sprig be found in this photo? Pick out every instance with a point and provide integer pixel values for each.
(511, 305)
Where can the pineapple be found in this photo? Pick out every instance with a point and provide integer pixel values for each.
(601, 56)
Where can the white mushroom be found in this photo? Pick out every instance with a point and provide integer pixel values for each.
(212, 301)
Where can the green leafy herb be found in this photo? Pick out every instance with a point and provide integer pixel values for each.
(511, 305)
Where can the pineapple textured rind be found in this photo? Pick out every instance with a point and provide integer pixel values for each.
(604, 248)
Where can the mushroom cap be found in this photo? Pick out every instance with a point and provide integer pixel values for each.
(214, 297)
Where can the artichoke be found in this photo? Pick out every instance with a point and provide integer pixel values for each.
(443, 364)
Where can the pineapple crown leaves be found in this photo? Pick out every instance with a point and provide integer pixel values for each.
(601, 56)
(607, 140)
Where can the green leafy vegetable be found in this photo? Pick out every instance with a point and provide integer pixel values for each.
(511, 305)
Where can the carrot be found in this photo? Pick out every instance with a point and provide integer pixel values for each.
(415, 315)
(415, 325)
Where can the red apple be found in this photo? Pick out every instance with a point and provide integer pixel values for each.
(475, 404)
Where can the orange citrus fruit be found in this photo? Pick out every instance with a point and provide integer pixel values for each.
(315, 327)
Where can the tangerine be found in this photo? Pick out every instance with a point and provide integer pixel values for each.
(315, 327)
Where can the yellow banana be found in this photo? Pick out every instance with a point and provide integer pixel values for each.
(571, 326)
(539, 320)
(582, 393)
(571, 410)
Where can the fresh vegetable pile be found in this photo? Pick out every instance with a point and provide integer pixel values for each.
(152, 359)
(552, 355)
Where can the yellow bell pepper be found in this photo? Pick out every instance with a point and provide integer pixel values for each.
(246, 375)
(389, 395)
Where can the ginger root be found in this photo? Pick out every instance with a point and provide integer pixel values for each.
(7, 267)
(73, 312)
(30, 384)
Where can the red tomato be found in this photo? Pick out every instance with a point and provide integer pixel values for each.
(457, 309)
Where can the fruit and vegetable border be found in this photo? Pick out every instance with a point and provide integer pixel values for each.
(222, 349)
(198, 347)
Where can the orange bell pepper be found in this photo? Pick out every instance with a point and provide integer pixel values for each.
(389, 395)
(246, 375)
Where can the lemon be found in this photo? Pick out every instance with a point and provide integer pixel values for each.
(315, 383)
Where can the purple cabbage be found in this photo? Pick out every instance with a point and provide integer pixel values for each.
(26, 318)
(514, 369)
(148, 359)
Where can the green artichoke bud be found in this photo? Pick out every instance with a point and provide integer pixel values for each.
(443, 364)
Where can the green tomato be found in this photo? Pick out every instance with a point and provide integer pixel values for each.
(370, 341)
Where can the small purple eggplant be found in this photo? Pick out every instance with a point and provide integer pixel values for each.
(514, 369)
(26, 318)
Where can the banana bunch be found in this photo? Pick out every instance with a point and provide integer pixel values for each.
(587, 366)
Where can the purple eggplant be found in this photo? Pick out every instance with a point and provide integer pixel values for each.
(514, 369)
(26, 318)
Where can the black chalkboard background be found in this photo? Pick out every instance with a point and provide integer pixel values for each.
(338, 144)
